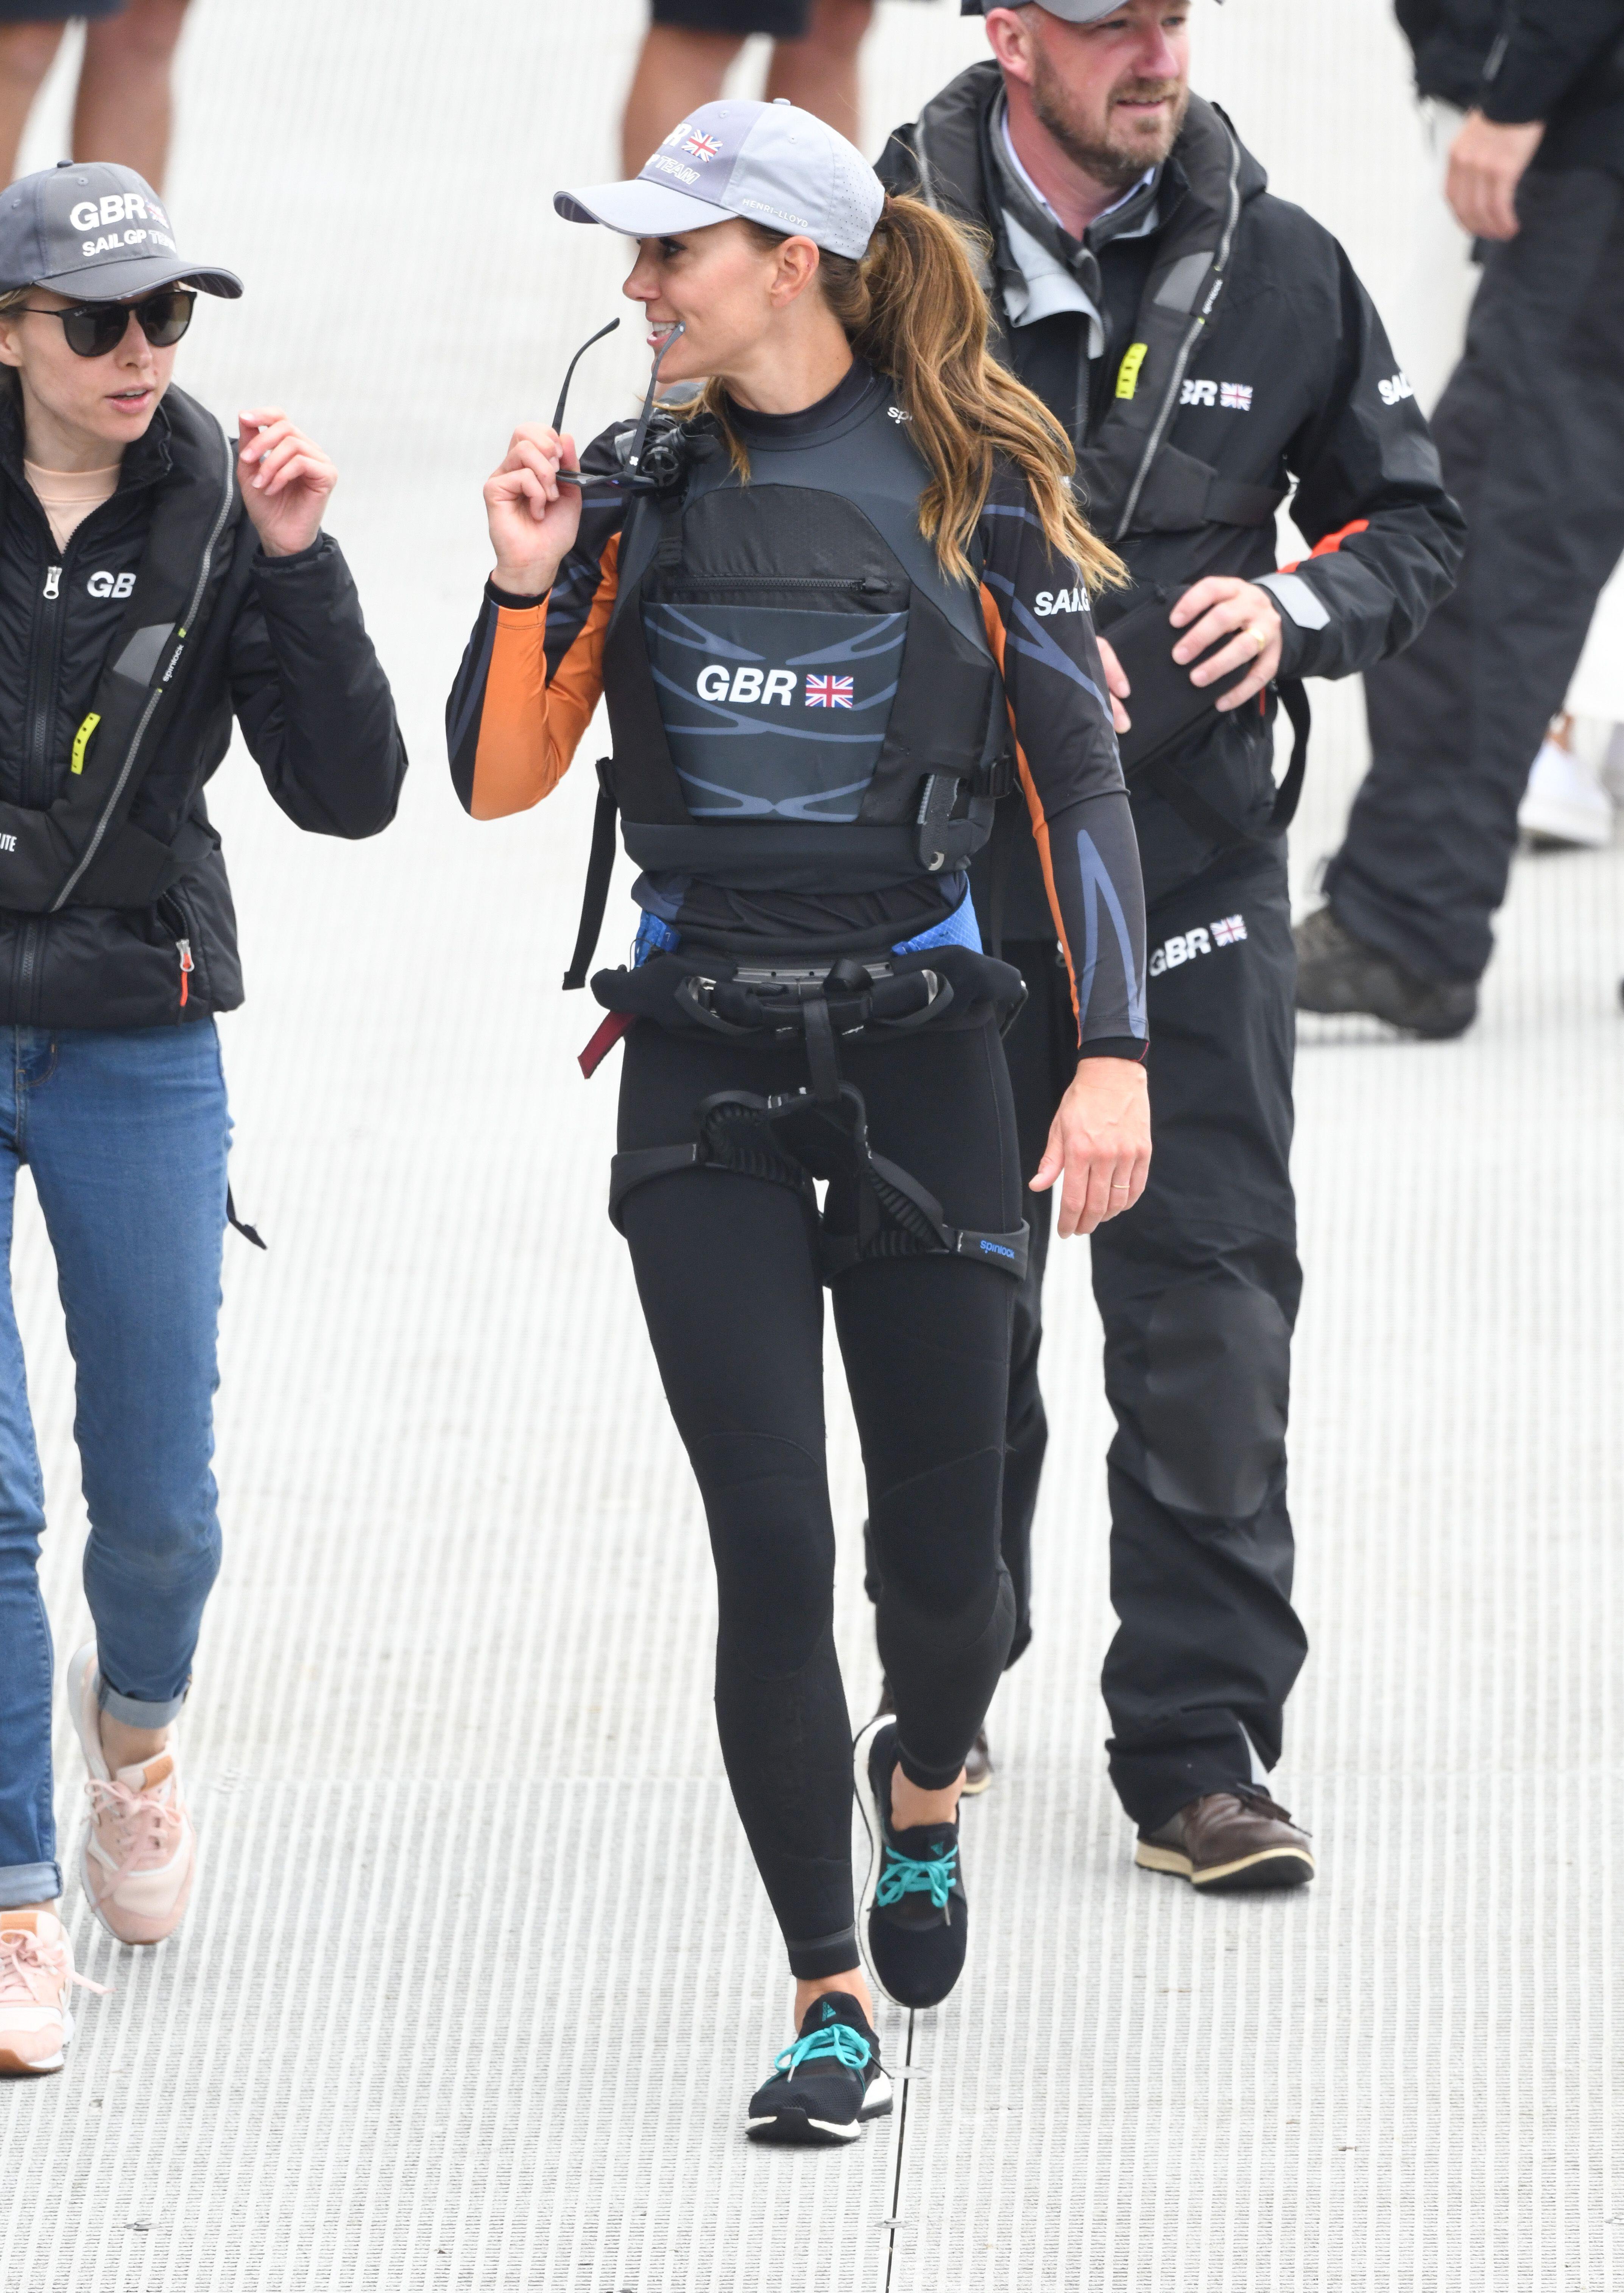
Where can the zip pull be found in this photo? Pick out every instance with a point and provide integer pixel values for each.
(184, 949)
(53, 581)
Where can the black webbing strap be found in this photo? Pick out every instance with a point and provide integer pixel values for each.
(600, 867)
(1194, 809)
(1000, 853)
(248, 1233)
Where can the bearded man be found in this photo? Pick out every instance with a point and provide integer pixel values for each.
(1206, 347)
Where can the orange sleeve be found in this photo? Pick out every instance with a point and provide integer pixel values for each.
(530, 723)
(1034, 802)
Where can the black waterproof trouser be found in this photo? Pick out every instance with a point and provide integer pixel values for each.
(1530, 431)
(728, 1273)
(1196, 1286)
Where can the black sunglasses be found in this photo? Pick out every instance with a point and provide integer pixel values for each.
(95, 329)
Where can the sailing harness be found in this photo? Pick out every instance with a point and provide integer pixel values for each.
(82, 850)
(794, 1138)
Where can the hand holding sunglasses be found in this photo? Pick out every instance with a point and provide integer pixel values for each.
(285, 480)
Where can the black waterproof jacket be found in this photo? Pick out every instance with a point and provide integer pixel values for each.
(1293, 380)
(283, 648)
(1563, 61)
(1450, 41)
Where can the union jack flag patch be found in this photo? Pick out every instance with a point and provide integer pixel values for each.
(703, 147)
(828, 692)
(1228, 929)
(1236, 395)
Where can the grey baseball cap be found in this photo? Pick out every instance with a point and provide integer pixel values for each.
(98, 232)
(1070, 11)
(771, 163)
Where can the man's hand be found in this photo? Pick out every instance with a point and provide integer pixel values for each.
(1221, 606)
(1116, 685)
(286, 481)
(1487, 162)
(1100, 1144)
(533, 520)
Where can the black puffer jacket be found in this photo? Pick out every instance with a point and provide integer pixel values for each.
(282, 647)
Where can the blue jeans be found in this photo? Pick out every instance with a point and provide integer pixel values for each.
(125, 1132)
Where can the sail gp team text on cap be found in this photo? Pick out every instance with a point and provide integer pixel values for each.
(768, 163)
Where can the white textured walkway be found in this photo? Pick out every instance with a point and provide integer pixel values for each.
(443, 2015)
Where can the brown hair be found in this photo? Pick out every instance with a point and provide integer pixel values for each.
(914, 307)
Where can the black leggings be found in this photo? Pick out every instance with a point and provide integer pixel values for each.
(727, 1270)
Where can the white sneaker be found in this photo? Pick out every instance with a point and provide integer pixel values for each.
(1565, 801)
(139, 1854)
(35, 1976)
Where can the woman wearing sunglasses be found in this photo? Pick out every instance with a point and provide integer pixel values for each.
(156, 580)
(823, 613)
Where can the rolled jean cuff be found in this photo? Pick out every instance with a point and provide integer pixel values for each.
(29, 1883)
(135, 1715)
(823, 1956)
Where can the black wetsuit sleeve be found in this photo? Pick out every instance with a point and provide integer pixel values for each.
(312, 697)
(1550, 44)
(1040, 627)
(1385, 536)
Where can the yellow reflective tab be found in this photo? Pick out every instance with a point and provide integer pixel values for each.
(1127, 373)
(81, 739)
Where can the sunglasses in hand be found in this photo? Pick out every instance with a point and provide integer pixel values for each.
(95, 329)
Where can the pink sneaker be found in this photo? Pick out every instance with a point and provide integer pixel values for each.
(35, 1976)
(140, 1852)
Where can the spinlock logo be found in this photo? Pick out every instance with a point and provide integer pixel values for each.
(8, 844)
(1183, 947)
(897, 414)
(717, 682)
(1400, 386)
(995, 1249)
(1060, 601)
(110, 585)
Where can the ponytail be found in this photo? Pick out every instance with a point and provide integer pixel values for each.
(913, 308)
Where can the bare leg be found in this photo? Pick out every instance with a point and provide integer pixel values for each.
(26, 52)
(819, 72)
(852, 1983)
(125, 1747)
(909, 1806)
(124, 110)
(677, 72)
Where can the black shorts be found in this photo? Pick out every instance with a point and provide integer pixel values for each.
(63, 12)
(784, 20)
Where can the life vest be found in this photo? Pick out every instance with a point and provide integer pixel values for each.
(799, 697)
(1132, 482)
(82, 851)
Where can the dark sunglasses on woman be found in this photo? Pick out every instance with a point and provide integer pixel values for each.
(95, 329)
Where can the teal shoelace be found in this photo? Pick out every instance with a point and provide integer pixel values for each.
(902, 1876)
(848, 2047)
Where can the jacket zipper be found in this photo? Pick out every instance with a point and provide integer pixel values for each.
(184, 948)
(45, 647)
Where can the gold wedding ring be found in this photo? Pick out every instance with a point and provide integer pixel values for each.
(1260, 637)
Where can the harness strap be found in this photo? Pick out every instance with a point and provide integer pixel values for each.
(600, 867)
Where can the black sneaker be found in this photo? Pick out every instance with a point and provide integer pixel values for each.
(978, 1759)
(828, 2084)
(913, 1920)
(1336, 972)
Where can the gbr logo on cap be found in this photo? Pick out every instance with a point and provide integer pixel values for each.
(118, 206)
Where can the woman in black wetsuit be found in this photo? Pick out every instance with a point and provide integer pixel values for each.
(834, 614)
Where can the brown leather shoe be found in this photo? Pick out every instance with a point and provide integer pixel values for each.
(1228, 1841)
(978, 1763)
